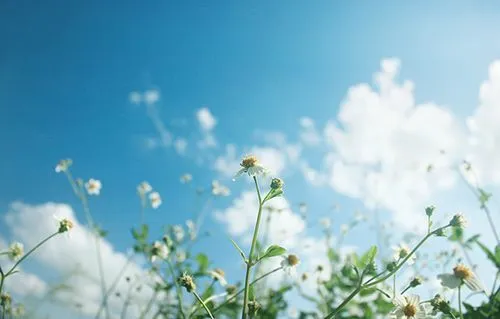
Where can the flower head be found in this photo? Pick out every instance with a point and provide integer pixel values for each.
(408, 307)
(277, 183)
(326, 222)
(187, 282)
(191, 229)
(219, 190)
(290, 263)
(144, 188)
(93, 186)
(16, 250)
(219, 275)
(64, 224)
(186, 178)
(180, 255)
(159, 250)
(178, 232)
(63, 165)
(5, 300)
(458, 221)
(440, 305)
(401, 252)
(155, 200)
(250, 165)
(461, 275)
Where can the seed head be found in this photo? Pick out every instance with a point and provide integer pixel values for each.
(187, 282)
(458, 221)
(65, 225)
(293, 260)
(249, 161)
(410, 310)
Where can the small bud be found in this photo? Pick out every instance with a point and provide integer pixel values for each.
(439, 304)
(441, 232)
(319, 268)
(417, 281)
(231, 289)
(187, 282)
(277, 183)
(458, 221)
(391, 266)
(65, 225)
(305, 276)
(253, 308)
(429, 210)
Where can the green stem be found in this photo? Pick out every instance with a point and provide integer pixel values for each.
(460, 302)
(242, 290)
(178, 289)
(394, 286)
(203, 304)
(250, 257)
(405, 290)
(344, 303)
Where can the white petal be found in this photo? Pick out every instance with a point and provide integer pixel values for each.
(474, 284)
(399, 301)
(449, 280)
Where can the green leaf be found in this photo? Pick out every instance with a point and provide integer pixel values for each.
(273, 250)
(239, 249)
(483, 197)
(490, 254)
(203, 262)
(367, 258)
(332, 256)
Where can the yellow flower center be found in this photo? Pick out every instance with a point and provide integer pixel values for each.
(410, 310)
(462, 272)
(293, 260)
(249, 161)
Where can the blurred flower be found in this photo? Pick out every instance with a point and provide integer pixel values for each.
(289, 264)
(401, 251)
(180, 255)
(458, 221)
(63, 165)
(461, 275)
(151, 96)
(5, 300)
(408, 307)
(64, 224)
(326, 222)
(219, 275)
(155, 199)
(219, 190)
(93, 186)
(344, 228)
(135, 97)
(159, 250)
(186, 178)
(250, 165)
(187, 282)
(144, 188)
(178, 232)
(16, 250)
(191, 229)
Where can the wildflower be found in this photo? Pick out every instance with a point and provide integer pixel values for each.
(461, 275)
(144, 188)
(417, 281)
(16, 250)
(180, 256)
(319, 268)
(168, 241)
(159, 250)
(344, 229)
(305, 276)
(458, 221)
(219, 275)
(178, 232)
(253, 308)
(135, 97)
(5, 300)
(151, 96)
(191, 229)
(186, 178)
(326, 222)
(63, 165)
(250, 165)
(429, 210)
(219, 190)
(277, 183)
(187, 282)
(64, 224)
(93, 186)
(155, 200)
(401, 252)
(440, 305)
(408, 307)
(289, 264)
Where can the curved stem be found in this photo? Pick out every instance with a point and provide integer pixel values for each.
(345, 302)
(460, 302)
(203, 304)
(252, 248)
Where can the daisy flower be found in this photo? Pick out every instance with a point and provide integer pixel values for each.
(64, 224)
(458, 221)
(191, 229)
(250, 165)
(326, 222)
(186, 178)
(219, 190)
(408, 307)
(180, 255)
(461, 275)
(16, 250)
(289, 264)
(218, 275)
(93, 186)
(63, 165)
(144, 188)
(155, 199)
(178, 232)
(159, 250)
(401, 251)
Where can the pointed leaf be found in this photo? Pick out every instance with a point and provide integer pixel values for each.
(239, 249)
(273, 250)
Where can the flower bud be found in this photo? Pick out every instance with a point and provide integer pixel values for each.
(429, 210)
(187, 282)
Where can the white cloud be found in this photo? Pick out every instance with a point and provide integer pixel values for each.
(180, 145)
(309, 135)
(31, 223)
(206, 120)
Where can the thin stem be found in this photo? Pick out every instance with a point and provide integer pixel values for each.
(149, 305)
(203, 304)
(405, 290)
(460, 302)
(252, 248)
(394, 286)
(345, 302)
(177, 287)
(242, 290)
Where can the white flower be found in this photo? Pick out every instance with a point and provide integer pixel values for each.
(458, 221)
(16, 250)
(326, 222)
(64, 225)
(63, 165)
(401, 251)
(135, 97)
(178, 232)
(250, 165)
(93, 186)
(344, 228)
(191, 229)
(180, 255)
(289, 264)
(219, 275)
(219, 190)
(186, 178)
(151, 96)
(155, 200)
(408, 307)
(461, 274)
(159, 250)
(144, 188)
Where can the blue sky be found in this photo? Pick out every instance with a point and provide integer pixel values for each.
(67, 70)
